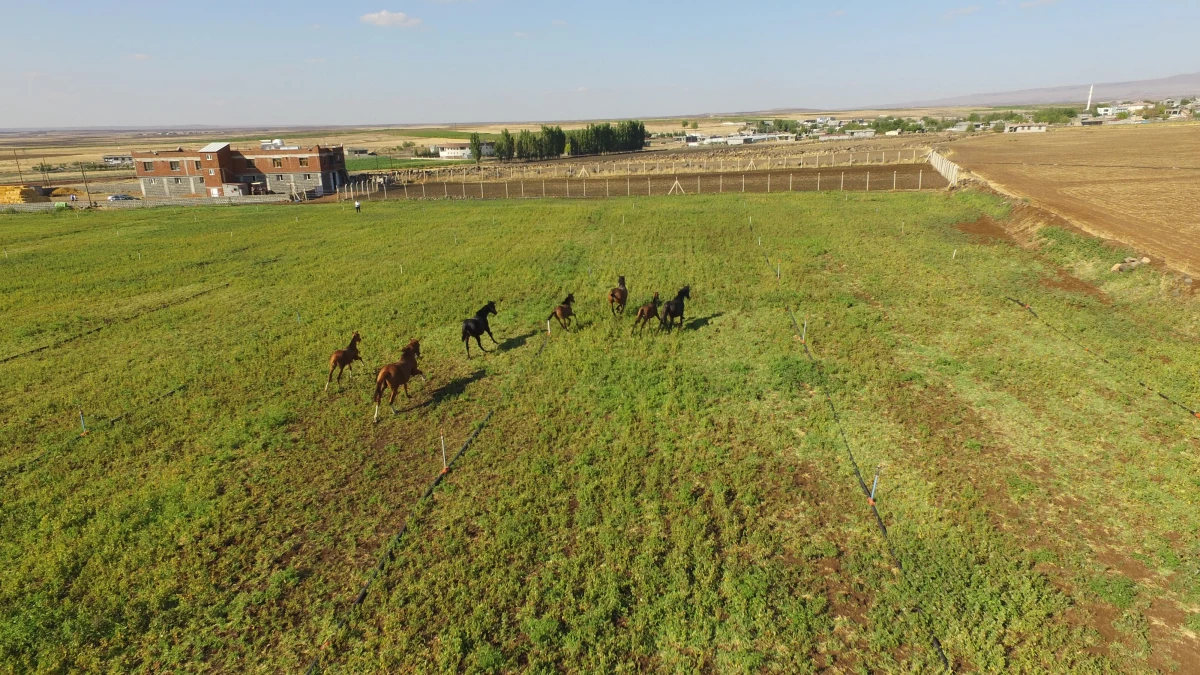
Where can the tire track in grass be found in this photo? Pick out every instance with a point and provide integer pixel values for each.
(389, 549)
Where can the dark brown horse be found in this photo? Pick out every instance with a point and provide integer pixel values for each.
(396, 375)
(617, 297)
(563, 313)
(645, 313)
(673, 309)
(344, 358)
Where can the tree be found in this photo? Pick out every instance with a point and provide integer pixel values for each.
(505, 146)
(476, 147)
(1054, 115)
(695, 125)
(685, 124)
(528, 146)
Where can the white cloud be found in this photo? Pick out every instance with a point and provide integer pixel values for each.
(140, 57)
(559, 22)
(1037, 3)
(520, 34)
(580, 89)
(314, 61)
(837, 13)
(961, 11)
(389, 19)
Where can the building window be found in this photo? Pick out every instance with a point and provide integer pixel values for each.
(147, 166)
(212, 172)
(151, 181)
(308, 176)
(178, 181)
(174, 166)
(208, 157)
(303, 161)
(277, 163)
(278, 176)
(197, 165)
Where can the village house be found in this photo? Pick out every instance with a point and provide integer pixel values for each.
(217, 170)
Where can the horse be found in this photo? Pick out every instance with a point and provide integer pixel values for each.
(477, 326)
(674, 309)
(617, 297)
(396, 375)
(645, 313)
(344, 358)
(563, 313)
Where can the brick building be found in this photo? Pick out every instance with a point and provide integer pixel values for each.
(217, 170)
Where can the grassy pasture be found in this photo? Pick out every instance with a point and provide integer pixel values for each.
(664, 503)
(383, 163)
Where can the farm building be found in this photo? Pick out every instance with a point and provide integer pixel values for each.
(117, 160)
(861, 133)
(462, 150)
(357, 152)
(1024, 128)
(217, 170)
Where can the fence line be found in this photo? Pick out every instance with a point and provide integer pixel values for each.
(948, 169)
(35, 207)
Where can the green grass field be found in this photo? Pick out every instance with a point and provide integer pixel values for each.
(659, 503)
(384, 163)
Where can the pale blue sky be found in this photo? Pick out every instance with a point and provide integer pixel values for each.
(404, 61)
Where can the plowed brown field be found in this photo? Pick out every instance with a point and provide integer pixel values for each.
(1139, 184)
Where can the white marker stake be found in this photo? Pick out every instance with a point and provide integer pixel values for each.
(445, 466)
(954, 255)
(547, 326)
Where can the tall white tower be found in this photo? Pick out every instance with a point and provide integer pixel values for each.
(1090, 90)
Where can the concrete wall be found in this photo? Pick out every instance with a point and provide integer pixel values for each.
(162, 187)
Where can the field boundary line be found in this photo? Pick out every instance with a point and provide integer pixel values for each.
(112, 322)
(937, 645)
(1098, 355)
(390, 548)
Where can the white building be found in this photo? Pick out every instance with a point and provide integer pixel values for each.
(462, 150)
(861, 133)
(1024, 128)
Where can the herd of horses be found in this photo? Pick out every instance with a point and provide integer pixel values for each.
(396, 375)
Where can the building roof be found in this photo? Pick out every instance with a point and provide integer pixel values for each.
(214, 147)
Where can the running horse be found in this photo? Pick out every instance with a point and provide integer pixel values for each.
(645, 313)
(344, 358)
(397, 375)
(673, 309)
(617, 297)
(563, 313)
(477, 326)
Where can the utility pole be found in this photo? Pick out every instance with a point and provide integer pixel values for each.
(20, 178)
(85, 185)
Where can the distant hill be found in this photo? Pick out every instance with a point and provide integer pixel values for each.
(1176, 85)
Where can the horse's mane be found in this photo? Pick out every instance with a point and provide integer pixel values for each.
(409, 348)
(483, 310)
(569, 299)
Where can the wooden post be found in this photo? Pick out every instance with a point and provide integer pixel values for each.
(481, 189)
(768, 183)
(647, 186)
(422, 192)
(789, 182)
(868, 181)
(522, 189)
(920, 177)
(506, 189)
(543, 188)
(627, 192)
(697, 184)
(567, 182)
(843, 181)
(818, 181)
(743, 182)
(721, 183)
(406, 190)
(606, 190)
(894, 173)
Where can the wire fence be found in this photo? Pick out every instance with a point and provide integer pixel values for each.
(908, 177)
(37, 207)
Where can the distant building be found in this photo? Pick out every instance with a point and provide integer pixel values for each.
(117, 160)
(1024, 128)
(358, 152)
(893, 132)
(462, 150)
(861, 133)
(962, 126)
(216, 170)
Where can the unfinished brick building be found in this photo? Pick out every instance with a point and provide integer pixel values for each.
(217, 170)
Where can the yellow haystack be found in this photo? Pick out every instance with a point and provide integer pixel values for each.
(18, 194)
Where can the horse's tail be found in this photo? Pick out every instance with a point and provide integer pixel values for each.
(380, 383)
(465, 333)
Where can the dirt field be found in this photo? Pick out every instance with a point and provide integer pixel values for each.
(1139, 184)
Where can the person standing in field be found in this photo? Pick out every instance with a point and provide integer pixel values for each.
(357, 206)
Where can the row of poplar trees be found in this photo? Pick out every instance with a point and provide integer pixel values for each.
(549, 142)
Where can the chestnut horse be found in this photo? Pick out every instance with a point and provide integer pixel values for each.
(617, 297)
(396, 375)
(478, 325)
(563, 313)
(344, 358)
(645, 313)
(673, 309)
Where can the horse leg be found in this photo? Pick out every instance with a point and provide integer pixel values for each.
(395, 390)
(479, 343)
(329, 379)
(340, 369)
(489, 332)
(467, 344)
